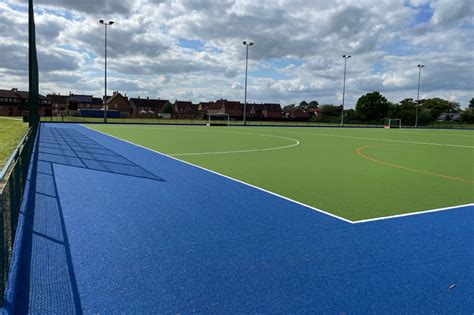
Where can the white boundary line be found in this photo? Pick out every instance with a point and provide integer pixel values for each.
(411, 213)
(376, 139)
(296, 142)
(283, 197)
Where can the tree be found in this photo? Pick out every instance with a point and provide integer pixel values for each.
(330, 110)
(303, 105)
(471, 103)
(288, 108)
(393, 110)
(168, 108)
(438, 105)
(313, 104)
(467, 116)
(407, 111)
(372, 106)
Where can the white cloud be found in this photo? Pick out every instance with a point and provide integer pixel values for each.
(296, 56)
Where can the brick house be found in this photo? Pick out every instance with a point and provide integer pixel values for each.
(256, 110)
(97, 103)
(9, 104)
(118, 102)
(146, 106)
(187, 110)
(211, 108)
(15, 103)
(297, 114)
(272, 111)
(232, 108)
(58, 102)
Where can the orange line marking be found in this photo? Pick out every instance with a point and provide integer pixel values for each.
(359, 153)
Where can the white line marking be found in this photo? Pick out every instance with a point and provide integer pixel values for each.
(225, 176)
(412, 213)
(378, 139)
(296, 142)
(283, 197)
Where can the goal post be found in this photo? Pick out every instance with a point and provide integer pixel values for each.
(392, 123)
(218, 120)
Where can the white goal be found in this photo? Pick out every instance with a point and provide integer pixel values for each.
(392, 123)
(218, 120)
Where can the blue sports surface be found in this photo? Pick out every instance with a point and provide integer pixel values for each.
(110, 227)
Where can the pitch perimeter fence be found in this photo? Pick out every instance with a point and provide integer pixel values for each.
(13, 179)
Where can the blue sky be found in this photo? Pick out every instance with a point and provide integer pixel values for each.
(191, 50)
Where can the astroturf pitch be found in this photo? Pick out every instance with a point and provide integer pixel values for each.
(354, 173)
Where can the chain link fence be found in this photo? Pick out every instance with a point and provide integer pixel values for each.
(13, 179)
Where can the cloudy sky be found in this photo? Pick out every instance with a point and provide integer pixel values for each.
(192, 49)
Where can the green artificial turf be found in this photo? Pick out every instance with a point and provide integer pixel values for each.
(11, 132)
(396, 171)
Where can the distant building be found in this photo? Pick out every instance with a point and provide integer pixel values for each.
(232, 108)
(187, 110)
(297, 114)
(9, 104)
(211, 108)
(265, 111)
(120, 103)
(146, 106)
(15, 103)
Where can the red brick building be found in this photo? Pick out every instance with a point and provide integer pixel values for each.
(146, 106)
(119, 103)
(15, 103)
(187, 110)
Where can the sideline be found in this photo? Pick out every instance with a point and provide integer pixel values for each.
(286, 198)
(380, 139)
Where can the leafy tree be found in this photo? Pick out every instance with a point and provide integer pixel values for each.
(350, 115)
(313, 104)
(407, 111)
(168, 108)
(288, 108)
(330, 110)
(471, 103)
(467, 116)
(372, 106)
(303, 105)
(393, 110)
(438, 105)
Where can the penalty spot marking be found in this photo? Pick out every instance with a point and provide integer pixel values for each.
(283, 197)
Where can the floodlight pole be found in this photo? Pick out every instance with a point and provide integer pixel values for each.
(418, 95)
(246, 69)
(105, 23)
(344, 88)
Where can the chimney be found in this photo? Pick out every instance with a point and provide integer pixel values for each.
(147, 98)
(138, 96)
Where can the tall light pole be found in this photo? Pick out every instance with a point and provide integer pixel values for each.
(418, 95)
(105, 23)
(247, 45)
(344, 88)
